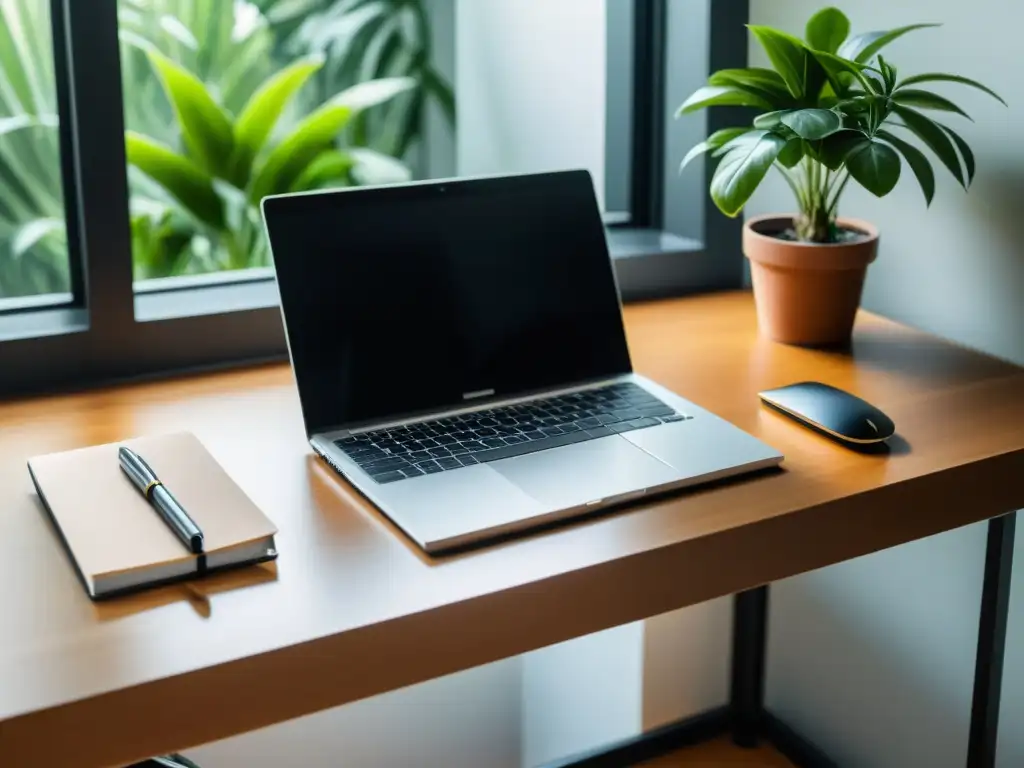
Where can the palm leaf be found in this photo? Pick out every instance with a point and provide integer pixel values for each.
(317, 132)
(184, 180)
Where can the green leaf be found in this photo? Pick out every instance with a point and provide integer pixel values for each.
(325, 167)
(827, 29)
(372, 167)
(716, 96)
(832, 152)
(765, 83)
(317, 132)
(787, 54)
(965, 151)
(861, 48)
(31, 232)
(841, 72)
(932, 134)
(792, 153)
(188, 183)
(918, 164)
(205, 127)
(813, 124)
(912, 97)
(770, 120)
(875, 165)
(261, 113)
(714, 141)
(742, 169)
(888, 74)
(441, 90)
(939, 77)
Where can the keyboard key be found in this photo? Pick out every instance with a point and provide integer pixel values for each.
(449, 463)
(436, 452)
(446, 440)
(485, 432)
(472, 445)
(388, 477)
(534, 434)
(468, 461)
(588, 423)
(608, 418)
(635, 424)
(657, 410)
(386, 465)
(416, 456)
(508, 451)
(627, 415)
(570, 427)
(399, 450)
(602, 431)
(368, 457)
(488, 422)
(457, 450)
(552, 431)
(412, 472)
(493, 442)
(514, 439)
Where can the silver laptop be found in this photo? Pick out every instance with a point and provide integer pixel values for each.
(461, 359)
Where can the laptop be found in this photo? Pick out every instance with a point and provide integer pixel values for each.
(461, 359)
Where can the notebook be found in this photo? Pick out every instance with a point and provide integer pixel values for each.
(118, 542)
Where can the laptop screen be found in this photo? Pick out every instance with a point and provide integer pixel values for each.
(412, 298)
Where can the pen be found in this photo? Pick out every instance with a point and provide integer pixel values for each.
(149, 485)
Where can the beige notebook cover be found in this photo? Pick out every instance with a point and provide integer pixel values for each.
(119, 542)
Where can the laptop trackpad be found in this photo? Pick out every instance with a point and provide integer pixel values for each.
(585, 472)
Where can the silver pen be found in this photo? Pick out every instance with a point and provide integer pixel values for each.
(170, 511)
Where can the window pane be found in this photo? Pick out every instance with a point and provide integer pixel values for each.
(532, 86)
(226, 102)
(33, 241)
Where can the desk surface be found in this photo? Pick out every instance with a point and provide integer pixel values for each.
(351, 609)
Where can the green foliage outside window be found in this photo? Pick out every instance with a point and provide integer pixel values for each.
(224, 102)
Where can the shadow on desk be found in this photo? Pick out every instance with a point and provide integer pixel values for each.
(198, 592)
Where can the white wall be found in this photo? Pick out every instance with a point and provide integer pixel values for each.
(874, 658)
(530, 80)
(466, 720)
(581, 694)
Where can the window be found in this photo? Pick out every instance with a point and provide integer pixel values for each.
(34, 267)
(137, 137)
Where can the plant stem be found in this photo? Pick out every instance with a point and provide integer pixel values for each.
(794, 184)
(833, 206)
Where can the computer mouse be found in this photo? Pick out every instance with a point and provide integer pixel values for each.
(831, 411)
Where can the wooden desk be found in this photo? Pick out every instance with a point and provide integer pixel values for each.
(352, 609)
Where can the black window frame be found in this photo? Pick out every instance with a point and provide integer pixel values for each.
(673, 242)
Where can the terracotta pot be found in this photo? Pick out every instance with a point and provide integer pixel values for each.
(807, 293)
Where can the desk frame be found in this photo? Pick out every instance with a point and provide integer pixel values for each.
(746, 717)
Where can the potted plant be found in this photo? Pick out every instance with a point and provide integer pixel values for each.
(830, 110)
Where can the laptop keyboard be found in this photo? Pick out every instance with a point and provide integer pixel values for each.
(424, 448)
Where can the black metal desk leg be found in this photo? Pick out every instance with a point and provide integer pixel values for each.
(749, 637)
(988, 665)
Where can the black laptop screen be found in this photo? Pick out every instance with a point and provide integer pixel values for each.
(405, 299)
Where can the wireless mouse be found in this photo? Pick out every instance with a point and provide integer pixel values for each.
(831, 411)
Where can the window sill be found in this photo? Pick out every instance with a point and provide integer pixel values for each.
(31, 323)
(201, 295)
(650, 263)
